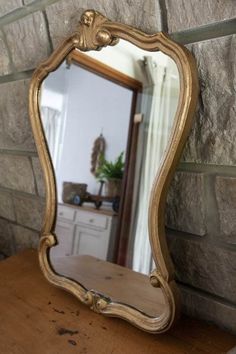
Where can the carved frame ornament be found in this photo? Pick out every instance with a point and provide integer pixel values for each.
(95, 32)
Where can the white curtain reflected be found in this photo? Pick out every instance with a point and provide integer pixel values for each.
(51, 124)
(158, 121)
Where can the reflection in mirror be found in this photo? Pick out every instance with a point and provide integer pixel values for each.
(107, 118)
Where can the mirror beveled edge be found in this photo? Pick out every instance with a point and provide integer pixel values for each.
(93, 33)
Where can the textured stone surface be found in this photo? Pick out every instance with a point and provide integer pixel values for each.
(183, 14)
(6, 206)
(185, 207)
(28, 47)
(64, 15)
(14, 238)
(213, 135)
(16, 173)
(6, 238)
(4, 59)
(225, 189)
(24, 238)
(15, 129)
(204, 266)
(38, 176)
(29, 212)
(7, 6)
(199, 306)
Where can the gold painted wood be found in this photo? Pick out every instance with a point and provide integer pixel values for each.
(95, 32)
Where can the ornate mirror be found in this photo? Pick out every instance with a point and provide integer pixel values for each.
(111, 109)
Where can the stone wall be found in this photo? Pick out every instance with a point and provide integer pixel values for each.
(201, 212)
(201, 215)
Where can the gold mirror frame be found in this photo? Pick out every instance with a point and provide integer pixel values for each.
(95, 32)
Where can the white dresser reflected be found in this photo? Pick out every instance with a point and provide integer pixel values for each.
(85, 230)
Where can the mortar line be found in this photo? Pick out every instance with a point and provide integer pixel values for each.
(184, 235)
(200, 239)
(18, 153)
(15, 222)
(11, 64)
(23, 75)
(34, 176)
(211, 216)
(205, 32)
(194, 290)
(21, 193)
(207, 168)
(191, 35)
(24, 11)
(163, 10)
(48, 30)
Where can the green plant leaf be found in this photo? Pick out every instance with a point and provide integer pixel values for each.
(109, 169)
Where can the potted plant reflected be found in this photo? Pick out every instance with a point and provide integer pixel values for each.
(111, 173)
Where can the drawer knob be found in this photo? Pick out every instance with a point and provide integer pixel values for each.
(91, 220)
(61, 213)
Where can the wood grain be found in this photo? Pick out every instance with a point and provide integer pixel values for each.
(119, 283)
(106, 71)
(37, 318)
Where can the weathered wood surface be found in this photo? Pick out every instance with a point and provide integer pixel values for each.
(118, 283)
(37, 318)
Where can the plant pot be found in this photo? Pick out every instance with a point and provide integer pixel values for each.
(113, 187)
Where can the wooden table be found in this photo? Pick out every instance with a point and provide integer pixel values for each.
(37, 318)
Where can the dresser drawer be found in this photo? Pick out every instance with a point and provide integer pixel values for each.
(65, 237)
(66, 213)
(92, 219)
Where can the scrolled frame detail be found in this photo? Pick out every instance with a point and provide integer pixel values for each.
(95, 32)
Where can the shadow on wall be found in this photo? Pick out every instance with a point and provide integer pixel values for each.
(2, 256)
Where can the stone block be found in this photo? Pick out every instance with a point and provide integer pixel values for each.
(6, 238)
(225, 190)
(64, 15)
(28, 41)
(4, 59)
(204, 266)
(16, 173)
(15, 129)
(197, 305)
(184, 14)
(8, 6)
(24, 238)
(6, 206)
(185, 204)
(212, 139)
(38, 176)
(29, 211)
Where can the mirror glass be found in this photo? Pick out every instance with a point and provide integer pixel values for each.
(107, 117)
